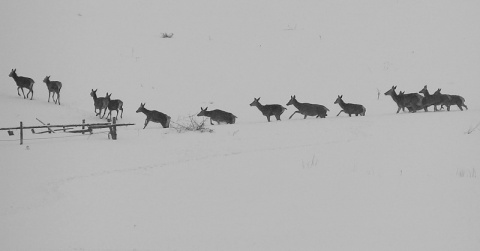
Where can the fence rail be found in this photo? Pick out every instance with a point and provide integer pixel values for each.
(84, 128)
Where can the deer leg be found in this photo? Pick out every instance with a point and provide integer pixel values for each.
(268, 118)
(305, 117)
(146, 123)
(22, 92)
(344, 111)
(18, 91)
(31, 91)
(277, 116)
(121, 115)
(292, 114)
(58, 97)
(104, 111)
(211, 123)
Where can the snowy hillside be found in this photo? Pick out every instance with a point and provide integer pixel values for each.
(385, 181)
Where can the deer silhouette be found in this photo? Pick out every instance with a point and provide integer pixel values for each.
(22, 82)
(430, 99)
(307, 109)
(449, 100)
(114, 105)
(411, 101)
(217, 116)
(350, 108)
(154, 116)
(53, 87)
(99, 103)
(268, 110)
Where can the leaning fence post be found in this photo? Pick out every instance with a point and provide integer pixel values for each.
(21, 133)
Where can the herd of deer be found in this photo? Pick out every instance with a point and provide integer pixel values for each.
(412, 101)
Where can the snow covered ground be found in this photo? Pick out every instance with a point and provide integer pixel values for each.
(385, 181)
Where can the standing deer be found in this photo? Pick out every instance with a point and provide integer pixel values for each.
(217, 116)
(99, 103)
(350, 108)
(53, 87)
(307, 109)
(268, 110)
(114, 105)
(449, 100)
(154, 116)
(411, 101)
(22, 82)
(429, 99)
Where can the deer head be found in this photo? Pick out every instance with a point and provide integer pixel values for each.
(339, 99)
(141, 108)
(256, 101)
(292, 101)
(202, 111)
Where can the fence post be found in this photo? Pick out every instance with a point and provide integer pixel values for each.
(21, 133)
(83, 127)
(113, 130)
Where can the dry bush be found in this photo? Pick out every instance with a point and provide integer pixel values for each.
(191, 124)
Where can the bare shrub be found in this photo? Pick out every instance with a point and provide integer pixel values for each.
(191, 124)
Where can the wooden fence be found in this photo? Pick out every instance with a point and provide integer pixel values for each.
(68, 128)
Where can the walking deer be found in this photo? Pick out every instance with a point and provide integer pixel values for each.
(22, 82)
(350, 108)
(114, 105)
(53, 87)
(217, 116)
(307, 109)
(268, 110)
(430, 99)
(154, 116)
(411, 101)
(99, 103)
(449, 100)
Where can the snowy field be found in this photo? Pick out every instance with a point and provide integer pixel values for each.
(385, 181)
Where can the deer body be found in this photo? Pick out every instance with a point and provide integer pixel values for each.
(307, 109)
(268, 110)
(99, 103)
(154, 116)
(22, 82)
(411, 101)
(53, 87)
(114, 105)
(350, 108)
(429, 99)
(217, 116)
(449, 100)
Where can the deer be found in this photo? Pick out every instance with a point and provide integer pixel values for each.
(430, 99)
(22, 82)
(154, 116)
(217, 116)
(53, 87)
(269, 110)
(99, 103)
(350, 108)
(307, 109)
(449, 100)
(114, 105)
(411, 101)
